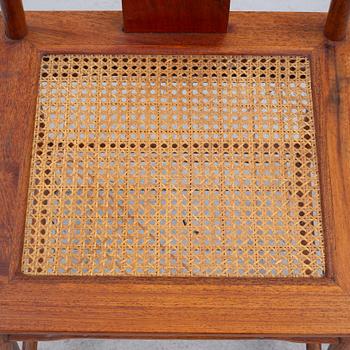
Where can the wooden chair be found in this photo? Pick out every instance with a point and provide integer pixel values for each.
(175, 185)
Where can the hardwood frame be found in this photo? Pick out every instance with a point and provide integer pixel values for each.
(199, 16)
(313, 347)
(6, 344)
(14, 19)
(211, 17)
(311, 310)
(344, 344)
(337, 21)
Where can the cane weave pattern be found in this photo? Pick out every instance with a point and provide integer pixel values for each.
(174, 166)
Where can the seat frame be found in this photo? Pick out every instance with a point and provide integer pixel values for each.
(314, 311)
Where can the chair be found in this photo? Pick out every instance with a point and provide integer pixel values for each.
(179, 185)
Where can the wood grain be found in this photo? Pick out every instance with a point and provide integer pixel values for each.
(159, 308)
(247, 32)
(195, 16)
(337, 20)
(30, 345)
(14, 19)
(6, 344)
(49, 337)
(313, 347)
(344, 344)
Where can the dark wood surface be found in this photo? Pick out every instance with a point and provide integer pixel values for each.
(188, 307)
(313, 347)
(344, 344)
(30, 345)
(6, 344)
(14, 18)
(50, 337)
(338, 20)
(176, 15)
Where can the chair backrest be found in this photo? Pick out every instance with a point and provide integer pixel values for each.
(152, 15)
(180, 16)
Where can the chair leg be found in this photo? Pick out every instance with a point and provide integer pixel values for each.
(7, 345)
(30, 345)
(344, 344)
(313, 346)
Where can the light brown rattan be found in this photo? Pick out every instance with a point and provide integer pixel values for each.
(174, 166)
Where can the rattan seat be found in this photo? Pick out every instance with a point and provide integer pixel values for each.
(174, 166)
(174, 171)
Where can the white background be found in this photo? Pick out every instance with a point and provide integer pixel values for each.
(242, 5)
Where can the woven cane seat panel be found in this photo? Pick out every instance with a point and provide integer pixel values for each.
(174, 166)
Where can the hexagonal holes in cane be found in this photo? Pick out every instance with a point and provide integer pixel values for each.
(174, 166)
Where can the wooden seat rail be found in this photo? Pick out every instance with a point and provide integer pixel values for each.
(16, 28)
